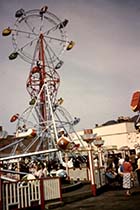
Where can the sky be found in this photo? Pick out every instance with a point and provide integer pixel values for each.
(99, 74)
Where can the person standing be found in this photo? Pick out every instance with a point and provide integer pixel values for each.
(127, 173)
(138, 168)
(133, 160)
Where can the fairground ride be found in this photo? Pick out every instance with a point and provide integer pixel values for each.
(39, 38)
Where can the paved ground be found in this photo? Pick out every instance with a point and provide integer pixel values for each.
(108, 200)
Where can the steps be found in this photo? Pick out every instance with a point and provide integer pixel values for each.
(71, 193)
(54, 205)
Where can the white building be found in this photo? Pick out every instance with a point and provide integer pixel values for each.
(117, 135)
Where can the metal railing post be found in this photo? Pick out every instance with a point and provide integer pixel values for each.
(42, 194)
(1, 193)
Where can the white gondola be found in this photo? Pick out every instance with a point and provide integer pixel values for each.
(27, 134)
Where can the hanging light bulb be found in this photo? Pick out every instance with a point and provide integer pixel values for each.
(70, 45)
(13, 55)
(6, 31)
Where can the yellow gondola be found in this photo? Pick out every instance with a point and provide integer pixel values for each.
(32, 102)
(70, 45)
(6, 32)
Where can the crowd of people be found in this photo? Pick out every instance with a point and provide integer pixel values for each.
(124, 170)
(119, 169)
(42, 168)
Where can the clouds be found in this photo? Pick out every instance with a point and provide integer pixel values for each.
(99, 74)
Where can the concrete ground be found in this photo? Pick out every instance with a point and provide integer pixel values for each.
(109, 199)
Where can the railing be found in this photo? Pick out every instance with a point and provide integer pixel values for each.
(83, 174)
(22, 195)
(37, 193)
(79, 174)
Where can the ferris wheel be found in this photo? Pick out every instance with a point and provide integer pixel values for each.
(39, 38)
(35, 28)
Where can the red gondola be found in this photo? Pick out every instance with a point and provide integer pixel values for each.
(14, 117)
(135, 102)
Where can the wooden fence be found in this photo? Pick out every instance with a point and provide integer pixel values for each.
(30, 193)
